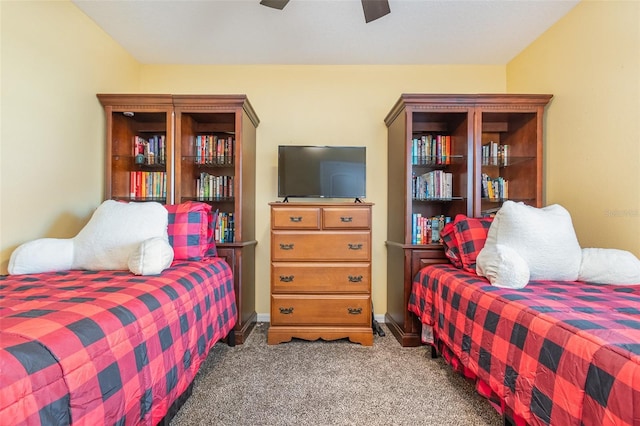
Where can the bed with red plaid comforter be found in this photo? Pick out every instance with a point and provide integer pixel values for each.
(553, 353)
(108, 347)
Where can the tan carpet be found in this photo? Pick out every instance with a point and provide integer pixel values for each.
(330, 383)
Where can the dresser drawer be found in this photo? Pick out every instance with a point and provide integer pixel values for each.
(346, 218)
(302, 277)
(295, 218)
(320, 310)
(321, 246)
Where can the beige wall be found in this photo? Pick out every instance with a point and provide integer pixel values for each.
(54, 61)
(329, 105)
(590, 61)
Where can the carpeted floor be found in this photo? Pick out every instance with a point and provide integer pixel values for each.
(330, 383)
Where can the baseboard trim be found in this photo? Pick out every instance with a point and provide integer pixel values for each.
(267, 318)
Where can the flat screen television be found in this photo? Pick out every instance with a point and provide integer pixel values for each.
(321, 171)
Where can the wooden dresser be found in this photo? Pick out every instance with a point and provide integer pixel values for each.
(321, 272)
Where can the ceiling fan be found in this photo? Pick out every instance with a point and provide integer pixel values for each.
(373, 9)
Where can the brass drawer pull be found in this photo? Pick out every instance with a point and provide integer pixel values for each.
(286, 311)
(355, 246)
(346, 219)
(295, 218)
(353, 311)
(286, 278)
(356, 279)
(286, 246)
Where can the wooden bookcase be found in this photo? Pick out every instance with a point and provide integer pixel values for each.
(469, 122)
(184, 120)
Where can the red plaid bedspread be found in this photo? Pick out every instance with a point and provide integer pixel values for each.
(108, 347)
(555, 353)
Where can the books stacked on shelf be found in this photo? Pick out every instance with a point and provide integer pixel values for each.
(431, 149)
(433, 185)
(495, 188)
(148, 184)
(225, 228)
(150, 151)
(210, 187)
(426, 230)
(494, 154)
(214, 150)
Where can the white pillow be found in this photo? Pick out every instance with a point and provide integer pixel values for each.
(42, 255)
(502, 266)
(609, 266)
(543, 237)
(152, 257)
(114, 231)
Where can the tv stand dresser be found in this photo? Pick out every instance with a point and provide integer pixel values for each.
(320, 272)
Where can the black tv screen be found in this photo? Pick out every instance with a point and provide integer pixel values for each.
(321, 171)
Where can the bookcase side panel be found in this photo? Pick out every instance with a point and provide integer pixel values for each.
(184, 165)
(120, 156)
(246, 172)
(398, 180)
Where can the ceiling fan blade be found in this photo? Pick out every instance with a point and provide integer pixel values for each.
(374, 9)
(276, 4)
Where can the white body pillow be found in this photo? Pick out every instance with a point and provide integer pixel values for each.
(543, 237)
(113, 233)
(151, 257)
(43, 255)
(502, 266)
(609, 266)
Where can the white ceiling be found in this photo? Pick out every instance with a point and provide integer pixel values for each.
(324, 31)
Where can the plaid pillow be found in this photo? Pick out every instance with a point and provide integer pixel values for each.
(470, 234)
(191, 226)
(450, 244)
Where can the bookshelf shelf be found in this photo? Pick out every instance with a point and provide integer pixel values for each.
(468, 137)
(437, 200)
(209, 164)
(191, 137)
(210, 199)
(154, 167)
(510, 161)
(140, 199)
(435, 161)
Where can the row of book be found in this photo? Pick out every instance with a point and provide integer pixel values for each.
(426, 230)
(214, 150)
(148, 184)
(212, 187)
(431, 149)
(149, 151)
(495, 188)
(225, 228)
(433, 185)
(494, 154)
